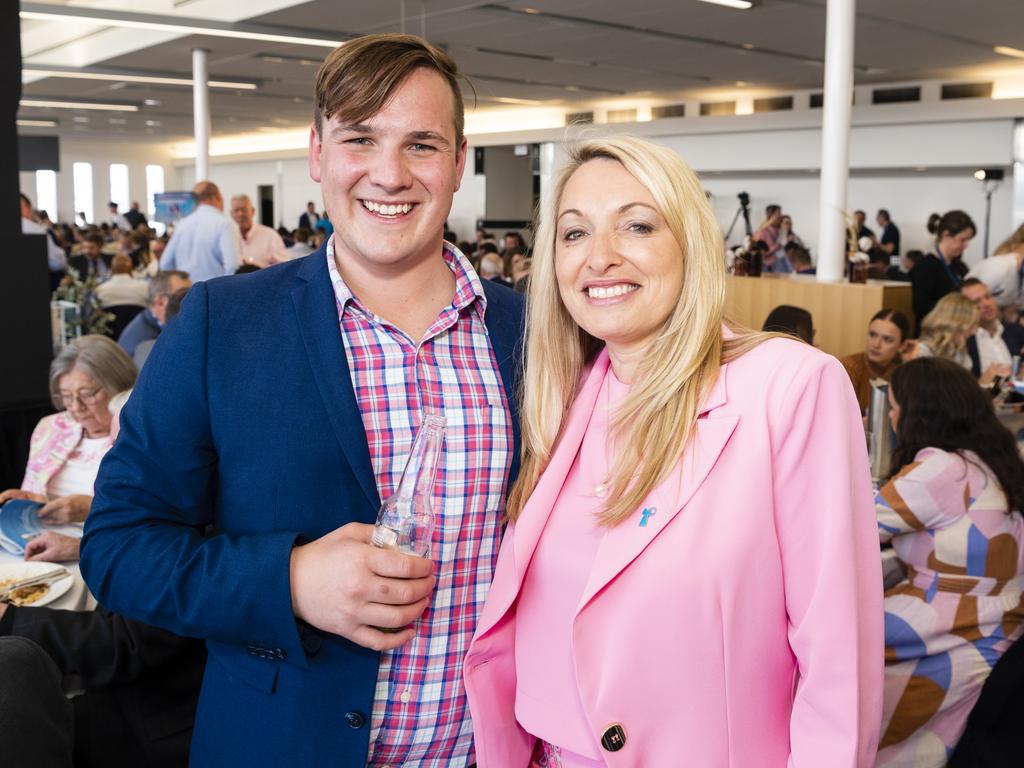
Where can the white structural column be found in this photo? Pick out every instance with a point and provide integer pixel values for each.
(835, 139)
(201, 112)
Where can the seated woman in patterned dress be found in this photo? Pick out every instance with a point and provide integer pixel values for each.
(951, 509)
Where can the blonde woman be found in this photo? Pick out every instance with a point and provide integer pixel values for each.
(945, 329)
(691, 563)
(1003, 272)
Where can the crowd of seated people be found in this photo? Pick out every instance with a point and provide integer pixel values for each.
(956, 469)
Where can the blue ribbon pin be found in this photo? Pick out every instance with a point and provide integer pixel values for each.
(646, 514)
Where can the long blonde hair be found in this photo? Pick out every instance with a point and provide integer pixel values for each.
(945, 329)
(1013, 243)
(656, 421)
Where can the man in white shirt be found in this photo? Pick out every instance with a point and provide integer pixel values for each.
(122, 288)
(206, 243)
(993, 345)
(118, 219)
(301, 247)
(261, 245)
(55, 257)
(1004, 276)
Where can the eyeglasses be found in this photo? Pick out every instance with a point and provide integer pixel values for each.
(86, 397)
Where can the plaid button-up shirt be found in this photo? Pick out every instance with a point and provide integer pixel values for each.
(420, 714)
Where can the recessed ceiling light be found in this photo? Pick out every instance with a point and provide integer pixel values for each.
(79, 105)
(1005, 50)
(123, 78)
(189, 26)
(151, 123)
(747, 46)
(152, 102)
(743, 5)
(37, 123)
(80, 119)
(117, 121)
(510, 100)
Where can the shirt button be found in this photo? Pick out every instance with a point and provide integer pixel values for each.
(405, 697)
(601, 489)
(355, 719)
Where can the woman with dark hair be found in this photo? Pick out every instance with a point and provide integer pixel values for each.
(888, 332)
(951, 510)
(935, 275)
(795, 321)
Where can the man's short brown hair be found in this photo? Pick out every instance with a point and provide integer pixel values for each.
(358, 77)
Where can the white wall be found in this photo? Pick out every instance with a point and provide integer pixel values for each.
(101, 154)
(510, 195)
(470, 203)
(288, 173)
(774, 157)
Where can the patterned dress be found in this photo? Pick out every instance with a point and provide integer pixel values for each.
(959, 607)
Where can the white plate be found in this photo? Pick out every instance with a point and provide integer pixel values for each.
(19, 571)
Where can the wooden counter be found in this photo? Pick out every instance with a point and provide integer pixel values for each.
(841, 311)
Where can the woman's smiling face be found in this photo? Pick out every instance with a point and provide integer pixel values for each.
(618, 265)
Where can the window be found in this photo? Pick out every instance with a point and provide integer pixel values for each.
(967, 91)
(774, 104)
(668, 110)
(718, 108)
(577, 118)
(119, 187)
(621, 116)
(82, 173)
(895, 95)
(154, 186)
(46, 193)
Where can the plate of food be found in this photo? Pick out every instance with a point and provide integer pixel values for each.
(40, 594)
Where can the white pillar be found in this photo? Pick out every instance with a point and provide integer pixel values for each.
(835, 139)
(201, 113)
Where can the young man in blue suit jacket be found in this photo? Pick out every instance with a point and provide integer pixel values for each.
(278, 409)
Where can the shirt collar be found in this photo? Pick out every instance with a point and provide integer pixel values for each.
(998, 333)
(468, 286)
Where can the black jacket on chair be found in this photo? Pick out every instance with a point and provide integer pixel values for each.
(141, 683)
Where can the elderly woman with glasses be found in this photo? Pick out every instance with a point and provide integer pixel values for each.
(67, 447)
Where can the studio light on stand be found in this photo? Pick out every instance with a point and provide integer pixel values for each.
(990, 179)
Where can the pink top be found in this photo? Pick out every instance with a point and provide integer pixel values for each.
(55, 440)
(547, 695)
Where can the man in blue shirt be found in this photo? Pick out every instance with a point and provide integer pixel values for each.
(206, 243)
(149, 322)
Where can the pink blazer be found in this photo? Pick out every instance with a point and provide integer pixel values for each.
(53, 441)
(742, 625)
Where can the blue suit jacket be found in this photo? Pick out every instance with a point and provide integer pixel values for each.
(244, 419)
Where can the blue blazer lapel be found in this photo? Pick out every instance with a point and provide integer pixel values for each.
(504, 319)
(316, 311)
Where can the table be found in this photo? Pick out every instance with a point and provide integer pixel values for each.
(841, 311)
(78, 598)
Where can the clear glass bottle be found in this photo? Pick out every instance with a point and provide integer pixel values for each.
(406, 518)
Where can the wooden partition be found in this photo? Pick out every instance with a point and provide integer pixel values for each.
(841, 311)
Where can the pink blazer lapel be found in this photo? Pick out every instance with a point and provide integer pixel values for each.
(624, 543)
(525, 533)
